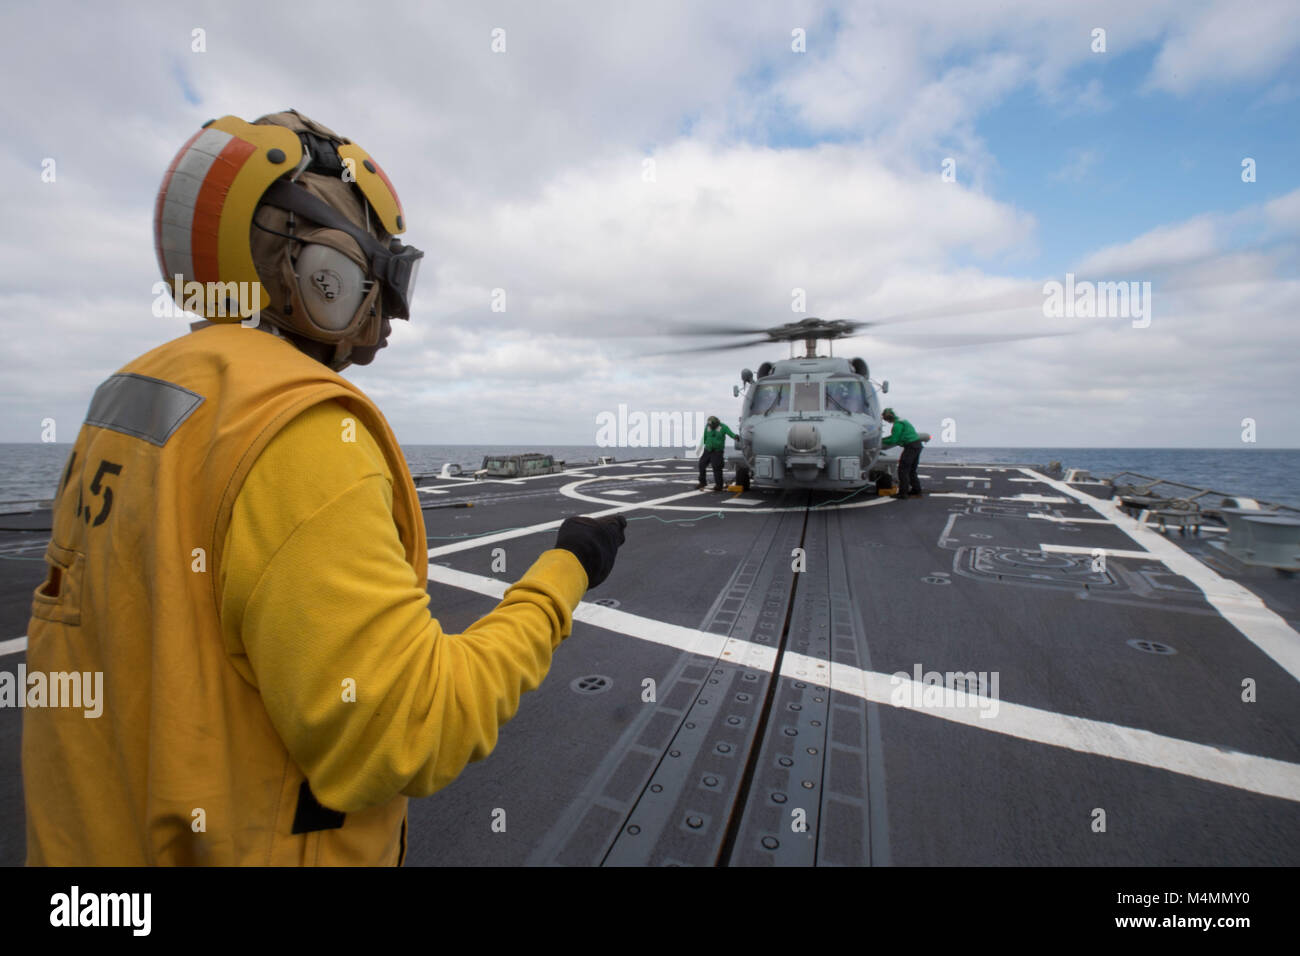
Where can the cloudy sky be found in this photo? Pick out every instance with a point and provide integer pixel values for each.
(621, 170)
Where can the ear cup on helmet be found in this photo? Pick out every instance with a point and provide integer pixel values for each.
(330, 285)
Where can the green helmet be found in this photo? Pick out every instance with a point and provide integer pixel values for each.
(888, 413)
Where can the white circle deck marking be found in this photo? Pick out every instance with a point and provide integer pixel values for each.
(570, 490)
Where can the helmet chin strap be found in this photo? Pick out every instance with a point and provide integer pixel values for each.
(341, 359)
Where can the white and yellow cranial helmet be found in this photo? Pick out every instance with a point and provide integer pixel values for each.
(285, 217)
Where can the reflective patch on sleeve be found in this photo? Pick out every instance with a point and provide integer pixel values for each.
(142, 407)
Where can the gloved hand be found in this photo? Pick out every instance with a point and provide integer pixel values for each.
(594, 542)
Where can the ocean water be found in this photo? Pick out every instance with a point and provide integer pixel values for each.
(32, 470)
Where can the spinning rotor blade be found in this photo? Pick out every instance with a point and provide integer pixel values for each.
(709, 330)
(964, 340)
(713, 348)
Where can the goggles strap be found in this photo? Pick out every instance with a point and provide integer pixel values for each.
(294, 198)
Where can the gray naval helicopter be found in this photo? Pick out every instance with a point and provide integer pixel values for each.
(809, 421)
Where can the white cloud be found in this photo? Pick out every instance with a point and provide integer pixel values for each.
(1226, 42)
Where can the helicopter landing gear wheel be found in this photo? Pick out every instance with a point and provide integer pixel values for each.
(742, 477)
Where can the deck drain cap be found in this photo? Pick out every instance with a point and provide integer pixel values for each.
(591, 684)
(1151, 647)
(935, 579)
(606, 602)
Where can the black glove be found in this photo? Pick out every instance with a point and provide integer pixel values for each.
(594, 542)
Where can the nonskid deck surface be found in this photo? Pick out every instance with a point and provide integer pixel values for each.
(1109, 725)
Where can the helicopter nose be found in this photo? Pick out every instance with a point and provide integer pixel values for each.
(803, 437)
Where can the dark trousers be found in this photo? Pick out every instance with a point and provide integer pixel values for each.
(908, 483)
(712, 457)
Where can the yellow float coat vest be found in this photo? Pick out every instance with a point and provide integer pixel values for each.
(183, 765)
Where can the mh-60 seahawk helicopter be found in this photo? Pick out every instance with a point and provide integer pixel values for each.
(813, 421)
(809, 421)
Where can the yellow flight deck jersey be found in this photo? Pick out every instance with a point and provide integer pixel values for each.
(238, 547)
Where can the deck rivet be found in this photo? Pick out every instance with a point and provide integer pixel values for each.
(791, 732)
(656, 788)
(710, 781)
(808, 784)
(812, 750)
(1151, 647)
(796, 706)
(674, 753)
(779, 797)
(771, 843)
(634, 829)
(591, 684)
(785, 761)
(724, 748)
(694, 822)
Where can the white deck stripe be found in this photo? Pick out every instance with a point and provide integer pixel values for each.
(1100, 738)
(1108, 552)
(1042, 517)
(611, 619)
(468, 543)
(1250, 772)
(1239, 606)
(15, 646)
(1265, 775)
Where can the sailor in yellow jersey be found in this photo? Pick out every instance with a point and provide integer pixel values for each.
(239, 549)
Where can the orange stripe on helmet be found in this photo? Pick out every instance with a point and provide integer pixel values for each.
(209, 207)
(273, 152)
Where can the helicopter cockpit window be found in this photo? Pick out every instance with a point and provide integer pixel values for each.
(770, 398)
(846, 397)
(807, 396)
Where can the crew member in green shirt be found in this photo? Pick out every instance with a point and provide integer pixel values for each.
(715, 439)
(905, 436)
